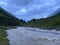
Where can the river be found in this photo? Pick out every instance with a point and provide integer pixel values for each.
(33, 36)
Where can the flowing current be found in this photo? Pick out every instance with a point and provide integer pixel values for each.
(33, 36)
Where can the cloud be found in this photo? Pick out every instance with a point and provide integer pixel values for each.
(21, 11)
(28, 9)
(3, 3)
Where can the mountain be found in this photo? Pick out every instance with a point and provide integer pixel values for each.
(51, 22)
(8, 19)
(55, 12)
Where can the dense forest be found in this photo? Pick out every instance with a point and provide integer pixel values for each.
(7, 19)
(51, 22)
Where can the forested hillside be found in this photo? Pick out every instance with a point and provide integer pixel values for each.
(7, 19)
(52, 22)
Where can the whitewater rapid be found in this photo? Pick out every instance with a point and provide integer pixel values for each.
(33, 36)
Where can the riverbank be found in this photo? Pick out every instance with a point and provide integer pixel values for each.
(3, 35)
(57, 28)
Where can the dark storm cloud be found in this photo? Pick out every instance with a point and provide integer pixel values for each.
(28, 9)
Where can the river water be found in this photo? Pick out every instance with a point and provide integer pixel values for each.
(33, 36)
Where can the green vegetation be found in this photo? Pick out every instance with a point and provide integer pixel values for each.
(7, 19)
(52, 22)
(3, 34)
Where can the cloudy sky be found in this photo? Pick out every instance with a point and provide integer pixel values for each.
(28, 9)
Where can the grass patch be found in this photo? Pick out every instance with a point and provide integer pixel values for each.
(3, 34)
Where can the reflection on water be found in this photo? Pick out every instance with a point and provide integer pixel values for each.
(33, 36)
